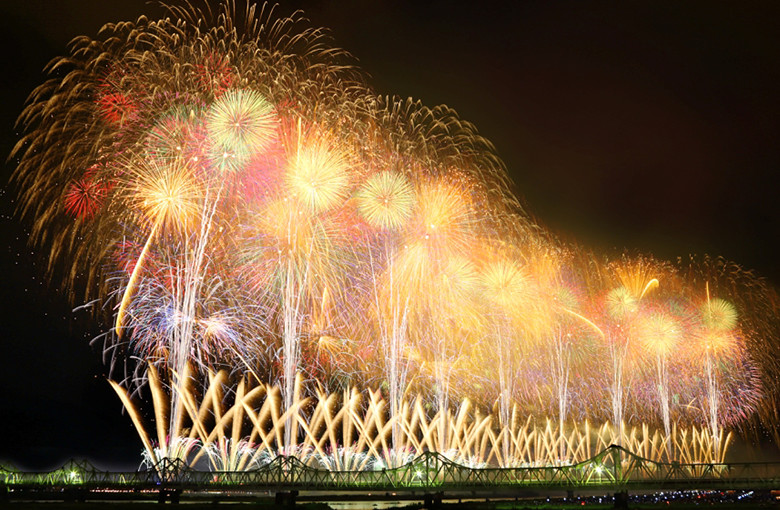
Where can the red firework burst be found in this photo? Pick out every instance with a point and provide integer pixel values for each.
(215, 74)
(84, 197)
(116, 107)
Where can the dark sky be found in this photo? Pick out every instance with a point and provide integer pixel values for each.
(649, 126)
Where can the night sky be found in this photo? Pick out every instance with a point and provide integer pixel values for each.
(645, 126)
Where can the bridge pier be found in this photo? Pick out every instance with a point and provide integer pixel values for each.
(285, 498)
(432, 501)
(621, 500)
(77, 495)
(166, 495)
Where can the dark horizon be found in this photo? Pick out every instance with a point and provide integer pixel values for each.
(648, 127)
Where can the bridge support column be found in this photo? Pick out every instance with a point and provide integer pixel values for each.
(77, 495)
(166, 495)
(621, 500)
(285, 498)
(432, 501)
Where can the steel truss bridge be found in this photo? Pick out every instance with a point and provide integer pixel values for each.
(613, 470)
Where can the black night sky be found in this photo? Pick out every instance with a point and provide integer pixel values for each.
(642, 125)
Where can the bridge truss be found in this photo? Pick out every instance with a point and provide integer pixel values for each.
(614, 469)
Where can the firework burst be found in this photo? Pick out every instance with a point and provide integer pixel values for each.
(239, 198)
(386, 200)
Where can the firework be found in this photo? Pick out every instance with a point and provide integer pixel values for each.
(318, 170)
(241, 122)
(256, 217)
(385, 200)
